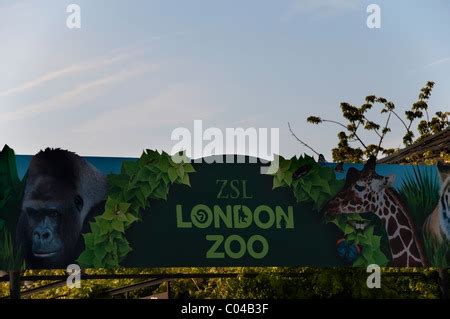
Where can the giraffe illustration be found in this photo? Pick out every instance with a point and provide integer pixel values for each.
(438, 223)
(367, 192)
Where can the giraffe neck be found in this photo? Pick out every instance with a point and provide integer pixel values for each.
(404, 243)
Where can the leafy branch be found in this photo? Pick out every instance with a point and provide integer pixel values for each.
(356, 118)
(130, 192)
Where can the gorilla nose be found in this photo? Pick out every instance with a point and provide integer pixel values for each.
(42, 234)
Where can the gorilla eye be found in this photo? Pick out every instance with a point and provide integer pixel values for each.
(359, 188)
(79, 203)
(54, 213)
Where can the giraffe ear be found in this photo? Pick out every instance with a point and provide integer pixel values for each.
(370, 164)
(352, 175)
(389, 181)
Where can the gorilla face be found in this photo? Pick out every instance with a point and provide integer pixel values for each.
(62, 192)
(52, 215)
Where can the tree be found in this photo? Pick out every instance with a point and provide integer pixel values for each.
(356, 119)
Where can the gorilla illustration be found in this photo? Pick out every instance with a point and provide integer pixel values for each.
(62, 192)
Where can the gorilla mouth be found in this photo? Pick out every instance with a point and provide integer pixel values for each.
(44, 254)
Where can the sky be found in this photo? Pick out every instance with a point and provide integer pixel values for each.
(136, 70)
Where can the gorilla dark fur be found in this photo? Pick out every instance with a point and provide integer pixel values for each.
(62, 190)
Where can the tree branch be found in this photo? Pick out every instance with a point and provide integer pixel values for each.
(384, 133)
(356, 135)
(375, 130)
(303, 143)
(401, 120)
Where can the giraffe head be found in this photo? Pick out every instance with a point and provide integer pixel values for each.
(361, 192)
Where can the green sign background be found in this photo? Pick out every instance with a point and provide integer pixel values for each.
(157, 241)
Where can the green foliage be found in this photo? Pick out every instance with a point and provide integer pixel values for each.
(10, 188)
(370, 243)
(317, 185)
(437, 252)
(357, 118)
(10, 257)
(10, 196)
(130, 192)
(294, 283)
(420, 192)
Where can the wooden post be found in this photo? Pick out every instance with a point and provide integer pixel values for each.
(168, 289)
(14, 284)
(443, 282)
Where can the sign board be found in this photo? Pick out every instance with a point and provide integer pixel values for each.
(162, 214)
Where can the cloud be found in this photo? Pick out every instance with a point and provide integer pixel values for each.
(440, 61)
(69, 70)
(320, 7)
(76, 95)
(11, 5)
(174, 106)
(430, 65)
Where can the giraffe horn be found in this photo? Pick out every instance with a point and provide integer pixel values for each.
(370, 164)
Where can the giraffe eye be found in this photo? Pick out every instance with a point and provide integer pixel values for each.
(359, 188)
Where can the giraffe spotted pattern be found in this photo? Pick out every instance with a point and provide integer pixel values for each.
(367, 192)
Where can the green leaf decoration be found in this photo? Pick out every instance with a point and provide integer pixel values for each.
(10, 189)
(317, 185)
(150, 177)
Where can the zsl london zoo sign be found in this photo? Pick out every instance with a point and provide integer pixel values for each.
(162, 214)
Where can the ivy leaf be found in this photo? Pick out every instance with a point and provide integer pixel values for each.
(108, 215)
(86, 258)
(98, 239)
(131, 218)
(185, 180)
(117, 225)
(367, 252)
(140, 197)
(162, 165)
(146, 190)
(180, 171)
(288, 179)
(277, 183)
(360, 262)
(172, 174)
(123, 247)
(97, 262)
(120, 181)
(130, 168)
(144, 175)
(100, 251)
(188, 168)
(88, 239)
(348, 229)
(104, 226)
(123, 207)
(379, 258)
(160, 192)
